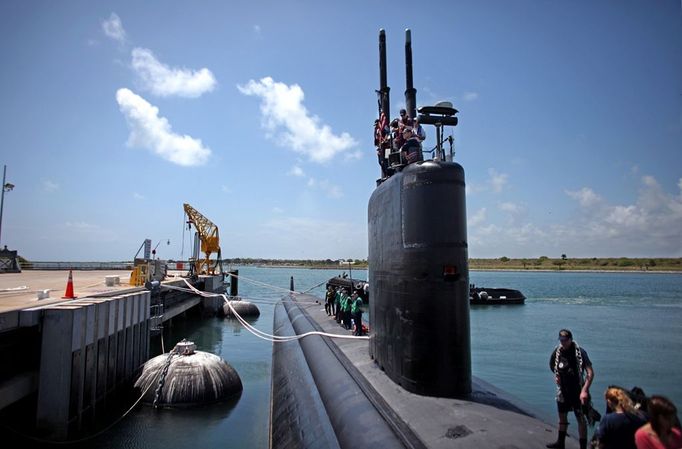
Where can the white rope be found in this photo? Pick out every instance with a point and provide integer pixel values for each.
(314, 287)
(263, 335)
(250, 298)
(14, 289)
(274, 287)
(263, 284)
(579, 358)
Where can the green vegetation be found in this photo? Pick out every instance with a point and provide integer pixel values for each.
(307, 263)
(561, 263)
(564, 263)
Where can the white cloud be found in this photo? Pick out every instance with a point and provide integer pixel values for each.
(137, 196)
(329, 189)
(651, 226)
(470, 96)
(296, 171)
(277, 210)
(313, 238)
(290, 124)
(164, 81)
(80, 232)
(257, 29)
(478, 218)
(82, 225)
(510, 207)
(497, 180)
(49, 186)
(515, 213)
(148, 130)
(113, 28)
(512, 241)
(353, 155)
(585, 196)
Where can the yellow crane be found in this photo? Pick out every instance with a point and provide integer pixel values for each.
(210, 242)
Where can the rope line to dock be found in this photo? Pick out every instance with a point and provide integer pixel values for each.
(261, 300)
(274, 287)
(264, 335)
(263, 284)
(313, 287)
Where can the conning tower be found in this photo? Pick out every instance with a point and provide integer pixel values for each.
(418, 262)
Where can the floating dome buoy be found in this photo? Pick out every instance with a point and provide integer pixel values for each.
(243, 308)
(191, 378)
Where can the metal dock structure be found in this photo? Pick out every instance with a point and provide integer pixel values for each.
(66, 356)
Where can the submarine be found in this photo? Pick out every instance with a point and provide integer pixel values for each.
(409, 384)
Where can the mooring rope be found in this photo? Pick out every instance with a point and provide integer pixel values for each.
(263, 284)
(264, 335)
(250, 298)
(314, 287)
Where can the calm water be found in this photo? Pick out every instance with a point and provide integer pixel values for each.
(630, 324)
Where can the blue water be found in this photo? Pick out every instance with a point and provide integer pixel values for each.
(630, 324)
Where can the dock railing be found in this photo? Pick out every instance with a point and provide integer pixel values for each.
(39, 265)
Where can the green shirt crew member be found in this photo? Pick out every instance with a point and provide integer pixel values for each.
(337, 300)
(356, 311)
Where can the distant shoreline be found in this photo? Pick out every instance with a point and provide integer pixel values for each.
(542, 263)
(522, 270)
(568, 270)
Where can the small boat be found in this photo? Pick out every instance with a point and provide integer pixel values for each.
(353, 285)
(495, 296)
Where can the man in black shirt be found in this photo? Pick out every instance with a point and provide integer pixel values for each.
(573, 375)
(412, 148)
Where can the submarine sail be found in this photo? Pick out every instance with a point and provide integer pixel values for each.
(418, 265)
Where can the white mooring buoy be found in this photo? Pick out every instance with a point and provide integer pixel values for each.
(243, 308)
(187, 377)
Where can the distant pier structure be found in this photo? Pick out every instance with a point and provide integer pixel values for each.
(9, 261)
(63, 359)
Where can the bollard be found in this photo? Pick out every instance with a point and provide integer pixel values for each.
(234, 283)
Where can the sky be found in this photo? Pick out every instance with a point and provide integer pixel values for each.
(259, 114)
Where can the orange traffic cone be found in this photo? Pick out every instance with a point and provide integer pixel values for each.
(69, 288)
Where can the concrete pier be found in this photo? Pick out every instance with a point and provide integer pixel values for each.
(70, 355)
(89, 347)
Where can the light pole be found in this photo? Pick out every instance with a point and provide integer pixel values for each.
(6, 187)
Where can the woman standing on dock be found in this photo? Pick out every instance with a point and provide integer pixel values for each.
(617, 429)
(663, 430)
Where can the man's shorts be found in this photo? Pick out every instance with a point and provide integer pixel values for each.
(571, 406)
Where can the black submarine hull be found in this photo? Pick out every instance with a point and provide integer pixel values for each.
(319, 398)
(327, 393)
(419, 279)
